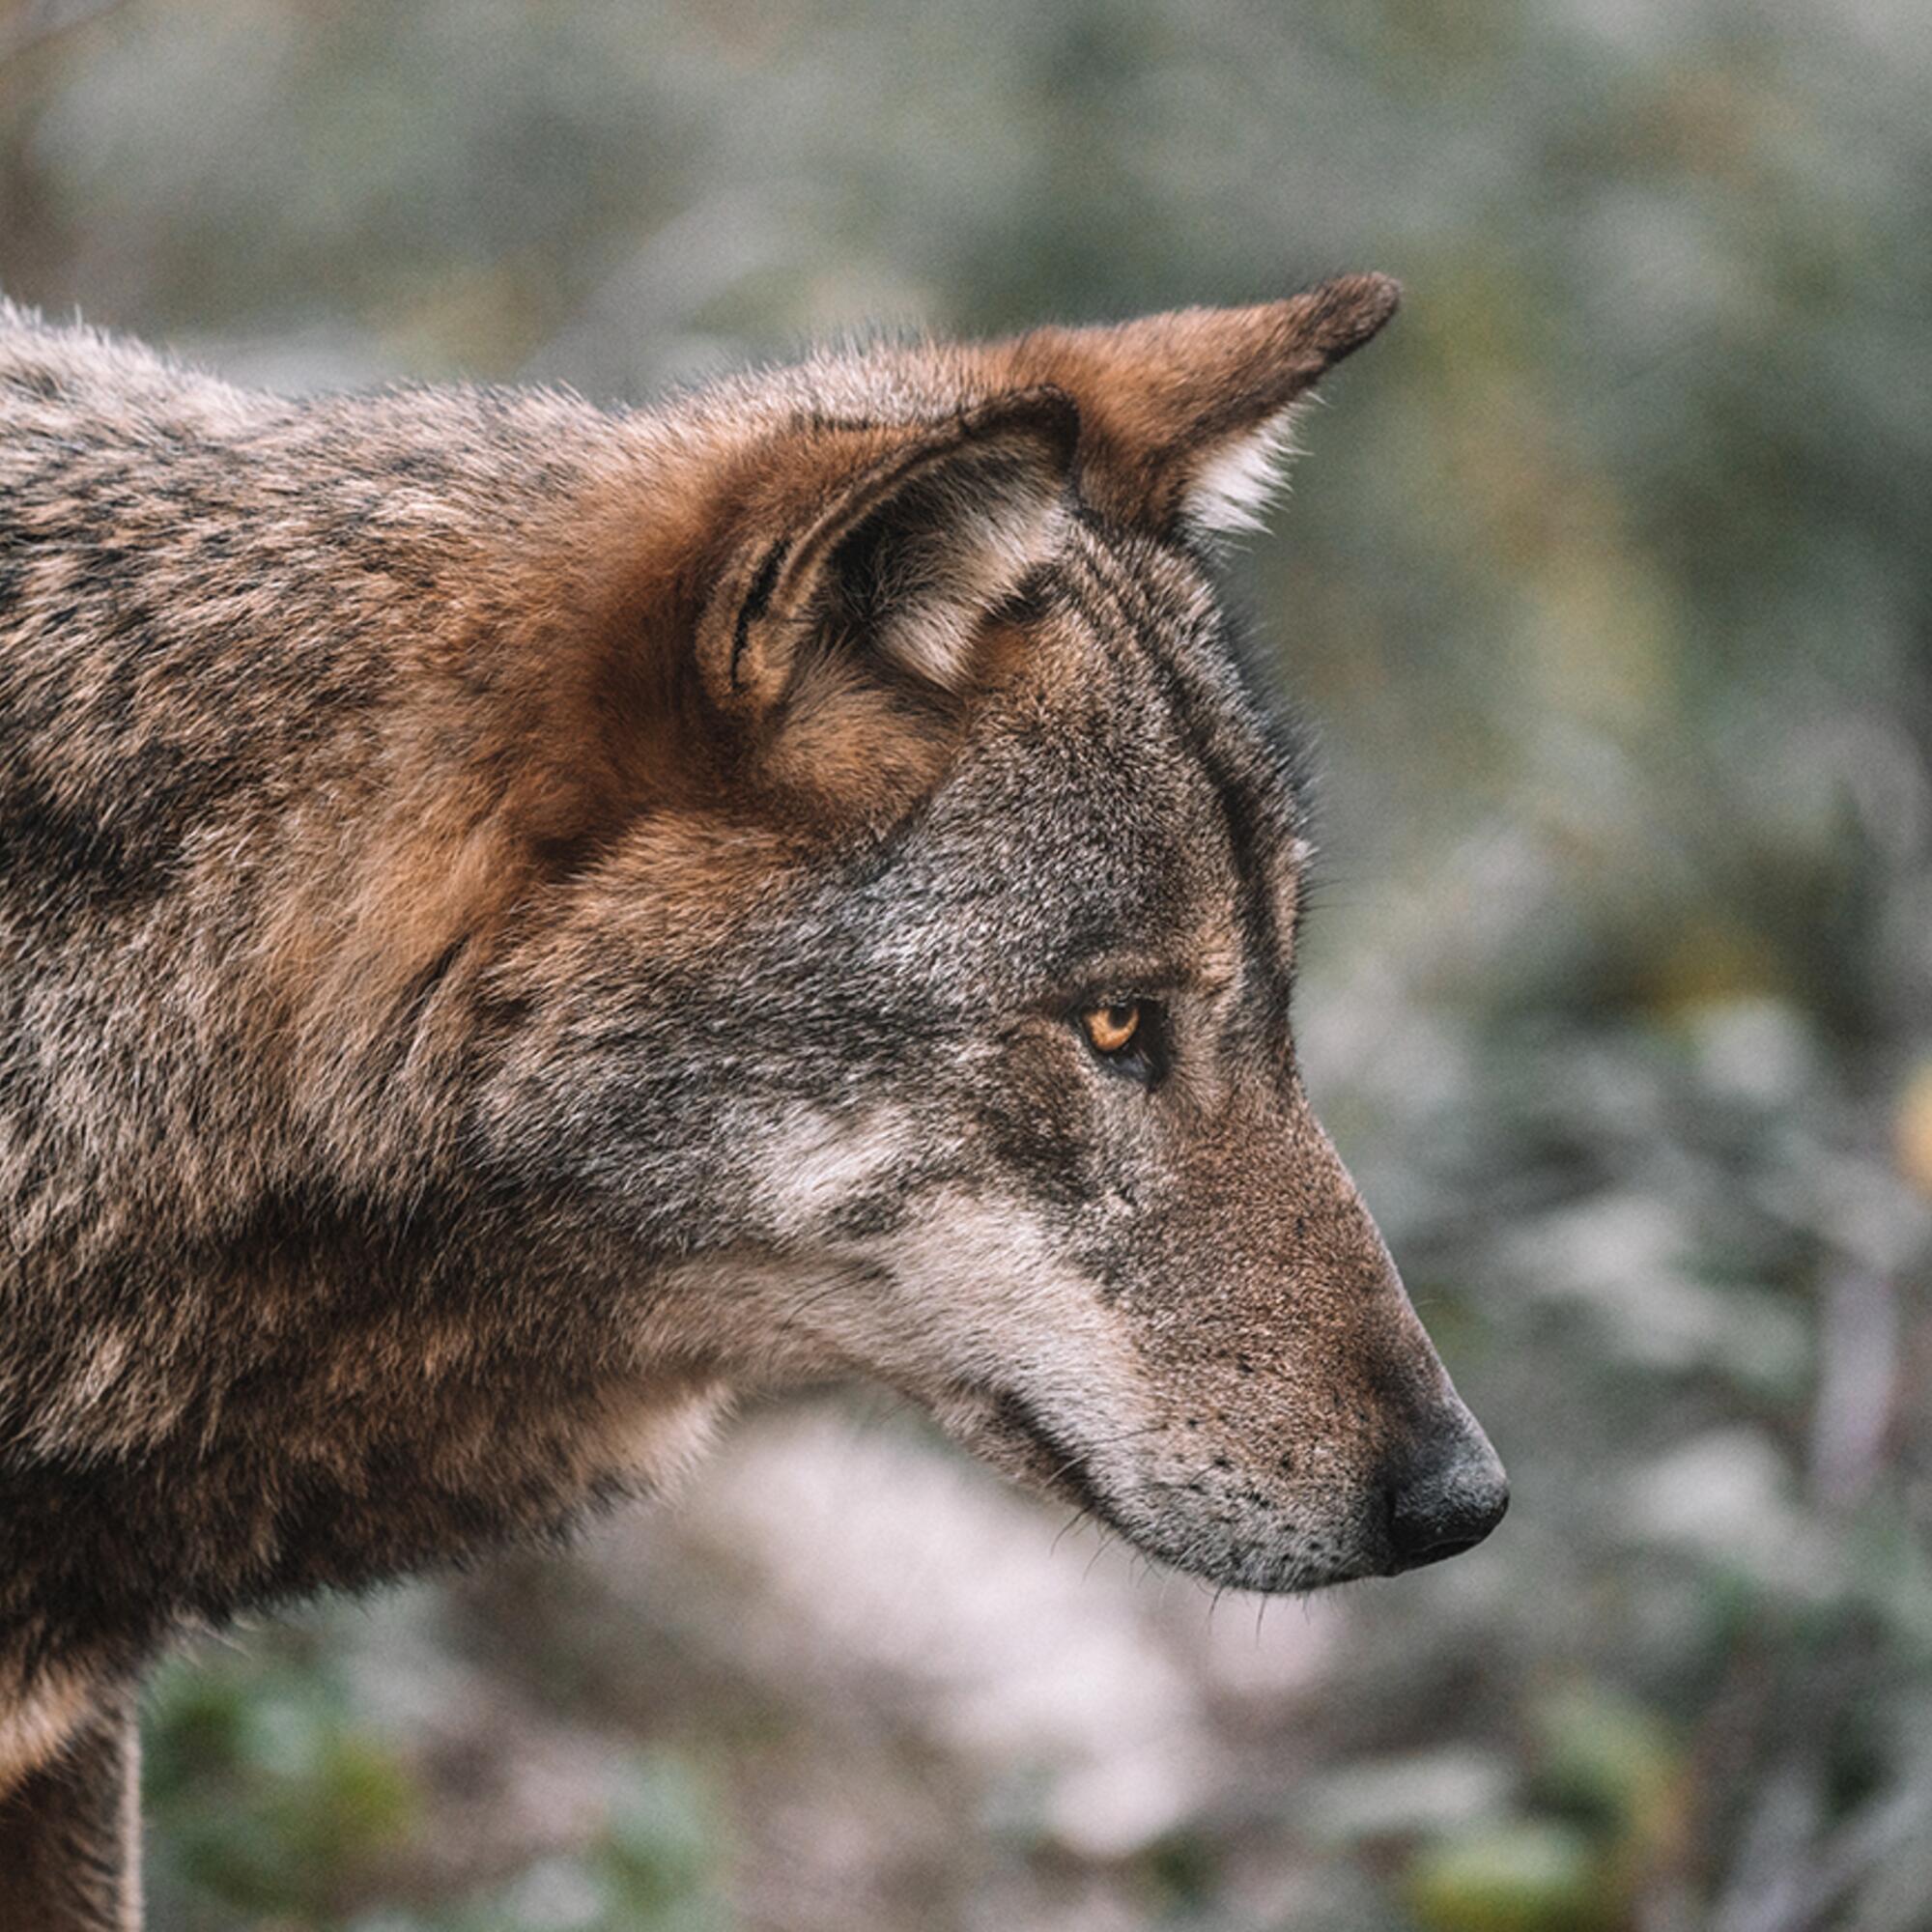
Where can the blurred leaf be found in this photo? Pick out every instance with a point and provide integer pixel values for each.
(1523, 1877)
(1614, 1767)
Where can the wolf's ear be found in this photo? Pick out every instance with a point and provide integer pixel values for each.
(1186, 415)
(896, 546)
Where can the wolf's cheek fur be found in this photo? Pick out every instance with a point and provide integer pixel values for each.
(1202, 1344)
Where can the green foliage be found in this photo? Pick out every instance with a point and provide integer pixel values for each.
(1523, 1877)
(649, 1871)
(659, 1849)
(274, 1795)
(271, 1788)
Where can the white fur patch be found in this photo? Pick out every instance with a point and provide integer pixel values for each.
(34, 1729)
(659, 1440)
(985, 1283)
(986, 553)
(821, 1161)
(968, 1292)
(1235, 487)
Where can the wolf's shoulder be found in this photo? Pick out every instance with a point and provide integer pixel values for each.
(49, 362)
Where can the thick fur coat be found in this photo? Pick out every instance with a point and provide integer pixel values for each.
(517, 921)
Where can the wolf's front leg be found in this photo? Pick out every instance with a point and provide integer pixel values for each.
(70, 1836)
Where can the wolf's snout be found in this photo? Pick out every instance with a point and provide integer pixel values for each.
(1446, 1501)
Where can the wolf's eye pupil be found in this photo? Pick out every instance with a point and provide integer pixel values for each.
(1112, 1029)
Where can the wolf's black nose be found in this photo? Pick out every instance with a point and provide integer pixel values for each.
(1446, 1504)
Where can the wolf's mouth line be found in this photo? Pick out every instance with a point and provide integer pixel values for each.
(1069, 1476)
(1068, 1471)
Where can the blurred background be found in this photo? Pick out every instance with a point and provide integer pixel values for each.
(1605, 585)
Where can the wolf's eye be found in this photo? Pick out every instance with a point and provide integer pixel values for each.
(1112, 1029)
(1128, 1037)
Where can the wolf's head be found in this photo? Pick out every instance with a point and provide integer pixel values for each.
(927, 1013)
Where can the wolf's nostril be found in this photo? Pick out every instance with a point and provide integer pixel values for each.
(1446, 1510)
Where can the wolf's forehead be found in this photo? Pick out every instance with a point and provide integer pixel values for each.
(1137, 793)
(1184, 703)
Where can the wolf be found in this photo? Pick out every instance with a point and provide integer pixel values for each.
(520, 923)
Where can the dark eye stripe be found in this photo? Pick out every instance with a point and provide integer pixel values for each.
(1245, 818)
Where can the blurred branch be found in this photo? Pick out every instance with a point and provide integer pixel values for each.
(1857, 1373)
(1790, 1879)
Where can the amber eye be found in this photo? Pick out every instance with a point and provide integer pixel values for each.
(1112, 1029)
(1128, 1036)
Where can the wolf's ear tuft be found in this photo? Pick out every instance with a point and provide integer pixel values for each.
(904, 539)
(1188, 415)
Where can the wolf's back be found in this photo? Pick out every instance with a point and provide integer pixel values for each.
(229, 780)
